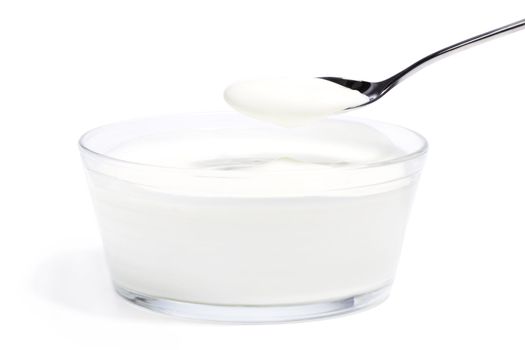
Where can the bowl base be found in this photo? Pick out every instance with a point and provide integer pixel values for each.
(245, 314)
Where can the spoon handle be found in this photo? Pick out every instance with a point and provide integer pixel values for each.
(394, 80)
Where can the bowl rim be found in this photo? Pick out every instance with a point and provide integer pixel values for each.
(418, 153)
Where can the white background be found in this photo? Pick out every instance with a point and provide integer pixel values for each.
(67, 66)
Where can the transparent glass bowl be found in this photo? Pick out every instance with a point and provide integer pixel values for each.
(221, 217)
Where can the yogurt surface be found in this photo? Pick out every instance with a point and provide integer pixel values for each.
(255, 158)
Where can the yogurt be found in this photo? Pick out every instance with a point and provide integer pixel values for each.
(291, 102)
(228, 211)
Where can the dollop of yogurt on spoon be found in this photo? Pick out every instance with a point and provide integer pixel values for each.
(291, 102)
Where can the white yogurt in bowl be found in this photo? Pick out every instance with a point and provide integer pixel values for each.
(221, 217)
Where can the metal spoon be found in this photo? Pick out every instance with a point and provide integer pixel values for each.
(375, 90)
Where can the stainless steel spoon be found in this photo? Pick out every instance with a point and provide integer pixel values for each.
(375, 90)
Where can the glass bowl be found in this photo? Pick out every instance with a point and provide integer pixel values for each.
(219, 217)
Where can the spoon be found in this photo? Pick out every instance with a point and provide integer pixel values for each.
(292, 102)
(375, 90)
